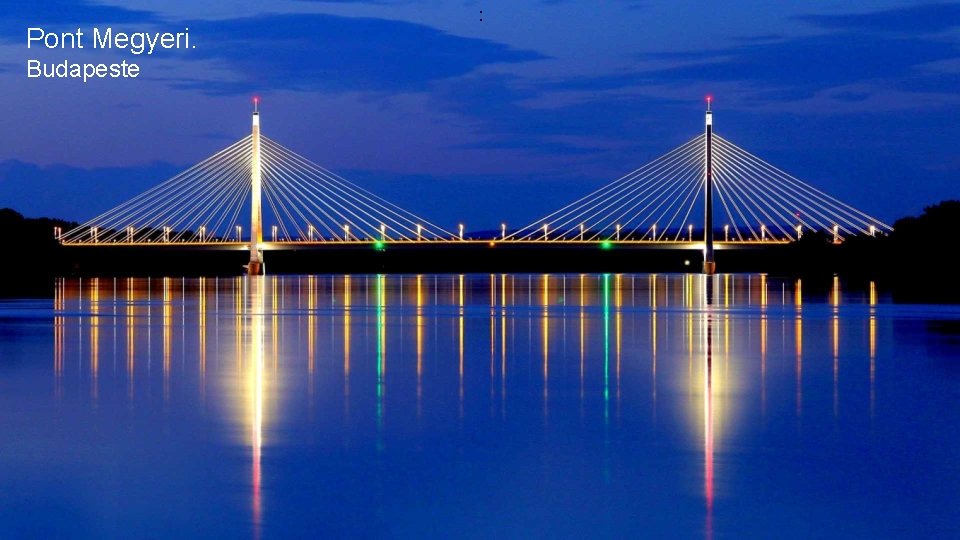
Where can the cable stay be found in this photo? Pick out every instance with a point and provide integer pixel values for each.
(209, 203)
(664, 201)
(258, 192)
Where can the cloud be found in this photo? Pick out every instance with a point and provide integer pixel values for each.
(809, 63)
(629, 4)
(926, 18)
(17, 15)
(320, 52)
(288, 51)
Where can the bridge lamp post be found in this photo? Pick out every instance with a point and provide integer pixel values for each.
(503, 231)
(690, 232)
(460, 228)
(239, 232)
(726, 233)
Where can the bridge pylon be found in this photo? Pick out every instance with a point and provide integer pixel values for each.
(255, 266)
(709, 265)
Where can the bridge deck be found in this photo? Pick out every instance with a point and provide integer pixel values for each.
(317, 244)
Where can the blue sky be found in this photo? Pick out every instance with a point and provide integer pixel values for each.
(502, 119)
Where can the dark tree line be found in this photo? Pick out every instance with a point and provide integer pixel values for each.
(915, 262)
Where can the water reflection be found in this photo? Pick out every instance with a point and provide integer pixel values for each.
(703, 354)
(254, 355)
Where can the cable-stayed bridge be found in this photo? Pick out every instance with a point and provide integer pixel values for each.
(708, 194)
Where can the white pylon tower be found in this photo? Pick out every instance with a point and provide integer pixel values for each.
(255, 267)
(709, 264)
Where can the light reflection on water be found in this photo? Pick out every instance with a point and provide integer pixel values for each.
(482, 405)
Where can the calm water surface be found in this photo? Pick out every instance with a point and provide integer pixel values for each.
(477, 406)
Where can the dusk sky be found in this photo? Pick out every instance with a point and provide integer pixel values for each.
(500, 119)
